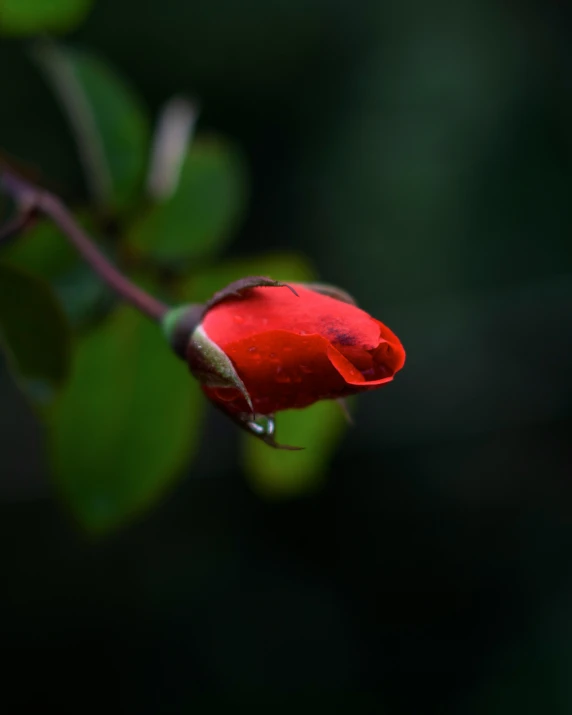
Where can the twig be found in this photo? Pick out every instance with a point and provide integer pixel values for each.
(29, 197)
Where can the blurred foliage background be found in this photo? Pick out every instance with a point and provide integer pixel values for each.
(156, 560)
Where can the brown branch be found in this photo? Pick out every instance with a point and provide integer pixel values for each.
(30, 198)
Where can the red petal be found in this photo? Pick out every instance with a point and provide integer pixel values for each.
(292, 351)
(391, 355)
(350, 372)
(263, 309)
(391, 347)
(282, 370)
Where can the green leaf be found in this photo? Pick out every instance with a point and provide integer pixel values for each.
(34, 331)
(42, 250)
(280, 266)
(126, 424)
(29, 17)
(277, 474)
(110, 124)
(198, 218)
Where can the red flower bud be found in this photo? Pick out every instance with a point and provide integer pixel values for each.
(261, 346)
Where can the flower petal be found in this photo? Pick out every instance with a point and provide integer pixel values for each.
(267, 309)
(392, 355)
(281, 370)
(350, 372)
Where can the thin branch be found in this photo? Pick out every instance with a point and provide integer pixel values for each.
(29, 197)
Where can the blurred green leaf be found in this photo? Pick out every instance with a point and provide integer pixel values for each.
(277, 473)
(29, 17)
(125, 425)
(280, 266)
(198, 218)
(110, 124)
(43, 250)
(34, 330)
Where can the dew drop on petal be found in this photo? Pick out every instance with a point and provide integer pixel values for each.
(252, 349)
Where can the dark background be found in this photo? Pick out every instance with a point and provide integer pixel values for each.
(420, 155)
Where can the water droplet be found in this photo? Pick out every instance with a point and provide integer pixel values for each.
(238, 319)
(252, 349)
(305, 369)
(263, 426)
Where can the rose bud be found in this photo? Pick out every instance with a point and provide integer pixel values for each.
(260, 346)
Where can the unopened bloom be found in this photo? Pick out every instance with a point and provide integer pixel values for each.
(261, 346)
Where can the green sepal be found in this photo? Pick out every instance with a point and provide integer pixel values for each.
(237, 288)
(179, 324)
(331, 291)
(263, 427)
(211, 365)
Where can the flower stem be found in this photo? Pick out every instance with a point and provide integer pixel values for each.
(29, 197)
